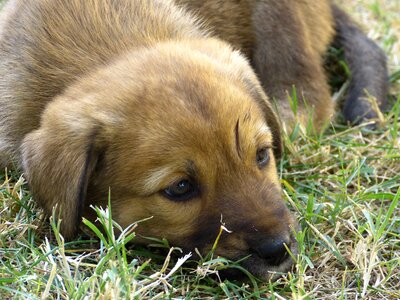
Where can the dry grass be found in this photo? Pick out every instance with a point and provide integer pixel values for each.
(344, 187)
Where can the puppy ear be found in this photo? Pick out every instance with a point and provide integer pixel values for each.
(275, 126)
(57, 165)
(271, 117)
(272, 120)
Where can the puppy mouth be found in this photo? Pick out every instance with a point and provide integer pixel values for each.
(264, 268)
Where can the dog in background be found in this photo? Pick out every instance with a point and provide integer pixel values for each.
(153, 99)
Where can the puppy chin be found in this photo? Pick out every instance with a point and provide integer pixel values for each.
(260, 267)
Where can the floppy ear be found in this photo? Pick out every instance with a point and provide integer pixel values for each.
(57, 164)
(271, 117)
(273, 122)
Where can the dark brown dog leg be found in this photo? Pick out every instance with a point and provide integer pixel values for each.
(285, 57)
(367, 63)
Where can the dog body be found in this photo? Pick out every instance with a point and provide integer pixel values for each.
(286, 42)
(143, 98)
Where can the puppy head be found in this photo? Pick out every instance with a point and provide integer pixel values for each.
(180, 132)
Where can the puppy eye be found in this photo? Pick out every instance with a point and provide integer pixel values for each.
(181, 190)
(262, 157)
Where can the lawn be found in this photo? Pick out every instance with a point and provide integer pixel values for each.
(343, 186)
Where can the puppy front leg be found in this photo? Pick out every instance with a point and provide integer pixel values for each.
(284, 58)
(367, 63)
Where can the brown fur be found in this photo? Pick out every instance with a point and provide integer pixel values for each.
(286, 41)
(368, 66)
(135, 95)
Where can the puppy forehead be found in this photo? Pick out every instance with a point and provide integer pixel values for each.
(195, 150)
(184, 129)
(183, 157)
(197, 110)
(185, 113)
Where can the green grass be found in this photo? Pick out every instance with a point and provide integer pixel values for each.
(343, 186)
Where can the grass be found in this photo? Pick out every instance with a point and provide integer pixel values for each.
(344, 187)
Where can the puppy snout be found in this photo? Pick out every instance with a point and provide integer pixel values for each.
(273, 250)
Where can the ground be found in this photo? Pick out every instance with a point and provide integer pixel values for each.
(343, 186)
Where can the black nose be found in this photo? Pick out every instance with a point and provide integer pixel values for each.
(273, 250)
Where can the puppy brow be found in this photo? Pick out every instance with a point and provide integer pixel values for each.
(263, 133)
(237, 139)
(165, 175)
(153, 180)
(191, 169)
(247, 117)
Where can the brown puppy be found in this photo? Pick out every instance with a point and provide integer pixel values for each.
(136, 96)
